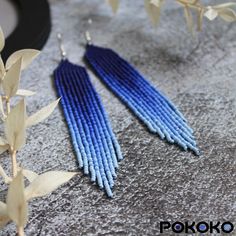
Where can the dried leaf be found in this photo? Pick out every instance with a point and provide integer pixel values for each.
(2, 40)
(188, 17)
(11, 79)
(153, 8)
(42, 114)
(24, 93)
(2, 69)
(46, 183)
(227, 14)
(27, 55)
(4, 218)
(211, 13)
(6, 178)
(17, 206)
(114, 5)
(15, 126)
(30, 175)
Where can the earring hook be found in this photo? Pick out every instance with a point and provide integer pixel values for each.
(62, 49)
(87, 34)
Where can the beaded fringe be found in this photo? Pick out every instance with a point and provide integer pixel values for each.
(95, 144)
(155, 110)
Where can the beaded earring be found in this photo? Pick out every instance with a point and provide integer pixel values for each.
(154, 109)
(95, 144)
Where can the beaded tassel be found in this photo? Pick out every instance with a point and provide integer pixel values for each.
(155, 110)
(95, 144)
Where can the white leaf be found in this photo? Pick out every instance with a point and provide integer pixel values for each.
(30, 175)
(211, 13)
(42, 114)
(46, 183)
(153, 8)
(27, 55)
(11, 79)
(2, 69)
(4, 218)
(114, 5)
(15, 126)
(227, 14)
(2, 40)
(17, 206)
(24, 93)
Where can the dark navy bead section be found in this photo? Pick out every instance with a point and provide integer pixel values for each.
(95, 144)
(155, 110)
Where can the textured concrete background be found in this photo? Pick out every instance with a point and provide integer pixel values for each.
(156, 181)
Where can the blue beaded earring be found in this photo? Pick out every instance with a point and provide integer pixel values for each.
(155, 110)
(95, 144)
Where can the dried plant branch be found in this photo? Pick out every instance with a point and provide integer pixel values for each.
(153, 7)
(16, 122)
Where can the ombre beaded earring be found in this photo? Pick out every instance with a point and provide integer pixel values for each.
(155, 110)
(95, 144)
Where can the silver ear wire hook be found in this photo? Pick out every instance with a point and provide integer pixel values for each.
(87, 34)
(88, 38)
(62, 49)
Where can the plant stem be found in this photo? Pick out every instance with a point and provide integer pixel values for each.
(21, 231)
(14, 163)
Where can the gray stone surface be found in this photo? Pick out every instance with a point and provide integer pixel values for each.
(156, 181)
